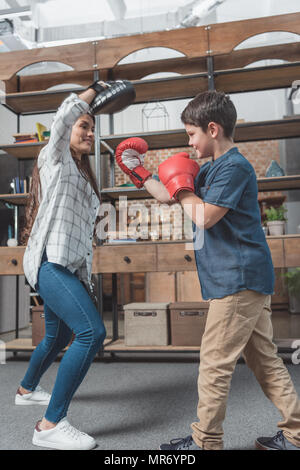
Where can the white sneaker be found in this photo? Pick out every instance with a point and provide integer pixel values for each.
(37, 397)
(63, 437)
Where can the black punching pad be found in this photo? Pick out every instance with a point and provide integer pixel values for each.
(115, 98)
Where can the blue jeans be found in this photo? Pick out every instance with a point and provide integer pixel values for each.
(67, 307)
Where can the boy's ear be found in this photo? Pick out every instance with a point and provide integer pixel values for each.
(213, 128)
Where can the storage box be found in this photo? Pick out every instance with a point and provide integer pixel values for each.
(8, 299)
(188, 322)
(146, 324)
(38, 324)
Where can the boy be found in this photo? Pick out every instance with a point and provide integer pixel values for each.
(234, 268)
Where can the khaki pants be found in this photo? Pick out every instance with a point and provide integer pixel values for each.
(241, 323)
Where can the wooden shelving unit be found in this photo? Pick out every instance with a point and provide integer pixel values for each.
(23, 151)
(25, 345)
(284, 249)
(118, 346)
(164, 89)
(244, 132)
(280, 183)
(36, 102)
(15, 199)
(210, 62)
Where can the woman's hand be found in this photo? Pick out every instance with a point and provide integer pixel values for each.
(90, 93)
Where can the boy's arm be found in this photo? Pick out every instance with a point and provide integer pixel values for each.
(177, 173)
(158, 191)
(203, 214)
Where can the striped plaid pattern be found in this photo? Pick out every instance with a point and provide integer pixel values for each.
(65, 221)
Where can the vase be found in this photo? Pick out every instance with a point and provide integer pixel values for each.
(276, 227)
(294, 303)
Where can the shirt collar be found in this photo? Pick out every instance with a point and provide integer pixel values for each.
(216, 162)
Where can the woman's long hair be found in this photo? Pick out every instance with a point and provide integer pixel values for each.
(32, 205)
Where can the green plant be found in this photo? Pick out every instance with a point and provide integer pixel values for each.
(292, 281)
(275, 213)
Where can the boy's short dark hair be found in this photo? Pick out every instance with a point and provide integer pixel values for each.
(211, 106)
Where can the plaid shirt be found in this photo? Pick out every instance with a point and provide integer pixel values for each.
(65, 221)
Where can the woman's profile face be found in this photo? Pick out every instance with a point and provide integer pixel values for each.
(82, 136)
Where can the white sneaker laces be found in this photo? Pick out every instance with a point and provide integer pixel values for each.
(41, 391)
(71, 431)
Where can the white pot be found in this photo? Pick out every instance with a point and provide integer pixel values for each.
(276, 227)
(294, 302)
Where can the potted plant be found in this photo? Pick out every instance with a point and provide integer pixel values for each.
(292, 281)
(275, 218)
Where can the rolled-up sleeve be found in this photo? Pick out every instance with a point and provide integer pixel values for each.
(67, 114)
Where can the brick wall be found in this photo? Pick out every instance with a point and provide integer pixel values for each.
(259, 155)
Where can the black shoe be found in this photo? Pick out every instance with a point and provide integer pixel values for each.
(278, 442)
(186, 443)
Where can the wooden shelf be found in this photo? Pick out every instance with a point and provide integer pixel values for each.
(119, 346)
(20, 344)
(163, 89)
(146, 91)
(156, 140)
(25, 345)
(36, 102)
(257, 78)
(29, 151)
(280, 183)
(16, 199)
(131, 193)
(245, 132)
(23, 151)
(268, 130)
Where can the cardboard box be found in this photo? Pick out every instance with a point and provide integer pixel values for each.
(188, 321)
(38, 324)
(146, 324)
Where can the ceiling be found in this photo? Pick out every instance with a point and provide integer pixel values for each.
(42, 23)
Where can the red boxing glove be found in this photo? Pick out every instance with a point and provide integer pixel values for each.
(177, 173)
(130, 157)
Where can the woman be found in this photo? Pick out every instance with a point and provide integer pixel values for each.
(60, 221)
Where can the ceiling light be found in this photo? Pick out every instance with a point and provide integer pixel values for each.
(199, 10)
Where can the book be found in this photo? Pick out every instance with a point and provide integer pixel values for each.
(17, 184)
(40, 131)
(25, 136)
(21, 185)
(29, 141)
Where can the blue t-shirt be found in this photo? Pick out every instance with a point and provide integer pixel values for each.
(235, 255)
